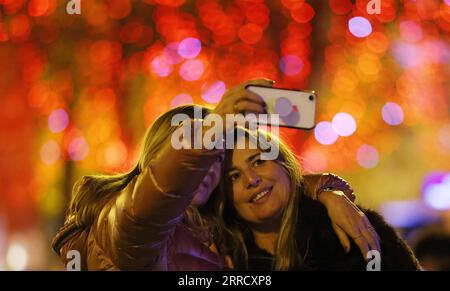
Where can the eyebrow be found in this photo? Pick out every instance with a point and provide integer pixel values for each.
(249, 159)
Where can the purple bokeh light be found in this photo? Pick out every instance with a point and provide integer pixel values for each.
(344, 124)
(189, 48)
(411, 55)
(181, 99)
(291, 65)
(58, 120)
(410, 31)
(212, 93)
(359, 26)
(171, 54)
(367, 156)
(392, 113)
(407, 213)
(436, 190)
(324, 133)
(161, 66)
(78, 149)
(437, 195)
(192, 70)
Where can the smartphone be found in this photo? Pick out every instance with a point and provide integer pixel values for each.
(296, 109)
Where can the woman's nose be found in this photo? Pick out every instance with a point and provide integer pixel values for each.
(253, 180)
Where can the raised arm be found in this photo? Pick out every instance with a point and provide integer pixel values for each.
(135, 230)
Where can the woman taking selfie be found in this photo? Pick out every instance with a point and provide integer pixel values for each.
(156, 217)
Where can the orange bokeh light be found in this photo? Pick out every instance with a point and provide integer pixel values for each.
(377, 42)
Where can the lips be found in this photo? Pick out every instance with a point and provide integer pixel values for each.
(258, 196)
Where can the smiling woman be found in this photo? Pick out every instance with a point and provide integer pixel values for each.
(268, 223)
(260, 188)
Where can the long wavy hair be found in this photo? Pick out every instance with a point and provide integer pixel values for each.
(232, 231)
(91, 194)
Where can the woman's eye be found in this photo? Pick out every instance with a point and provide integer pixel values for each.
(258, 162)
(233, 177)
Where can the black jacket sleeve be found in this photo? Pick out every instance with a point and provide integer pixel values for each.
(322, 250)
(396, 255)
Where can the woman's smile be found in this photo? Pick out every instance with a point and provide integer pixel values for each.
(261, 196)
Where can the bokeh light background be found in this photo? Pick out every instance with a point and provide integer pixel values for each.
(78, 92)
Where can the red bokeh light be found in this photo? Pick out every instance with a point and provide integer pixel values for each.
(12, 6)
(244, 51)
(388, 11)
(250, 33)
(428, 9)
(295, 46)
(299, 30)
(105, 52)
(170, 3)
(258, 14)
(118, 9)
(131, 32)
(292, 4)
(225, 35)
(303, 13)
(38, 7)
(96, 13)
(3, 34)
(49, 32)
(340, 7)
(20, 28)
(227, 67)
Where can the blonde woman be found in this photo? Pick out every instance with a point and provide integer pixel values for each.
(267, 224)
(157, 217)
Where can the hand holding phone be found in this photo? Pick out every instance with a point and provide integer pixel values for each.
(296, 109)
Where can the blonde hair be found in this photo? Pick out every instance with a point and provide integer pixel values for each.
(92, 193)
(233, 231)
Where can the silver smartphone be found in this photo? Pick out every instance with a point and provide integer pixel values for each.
(296, 109)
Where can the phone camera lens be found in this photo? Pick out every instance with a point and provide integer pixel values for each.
(311, 97)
